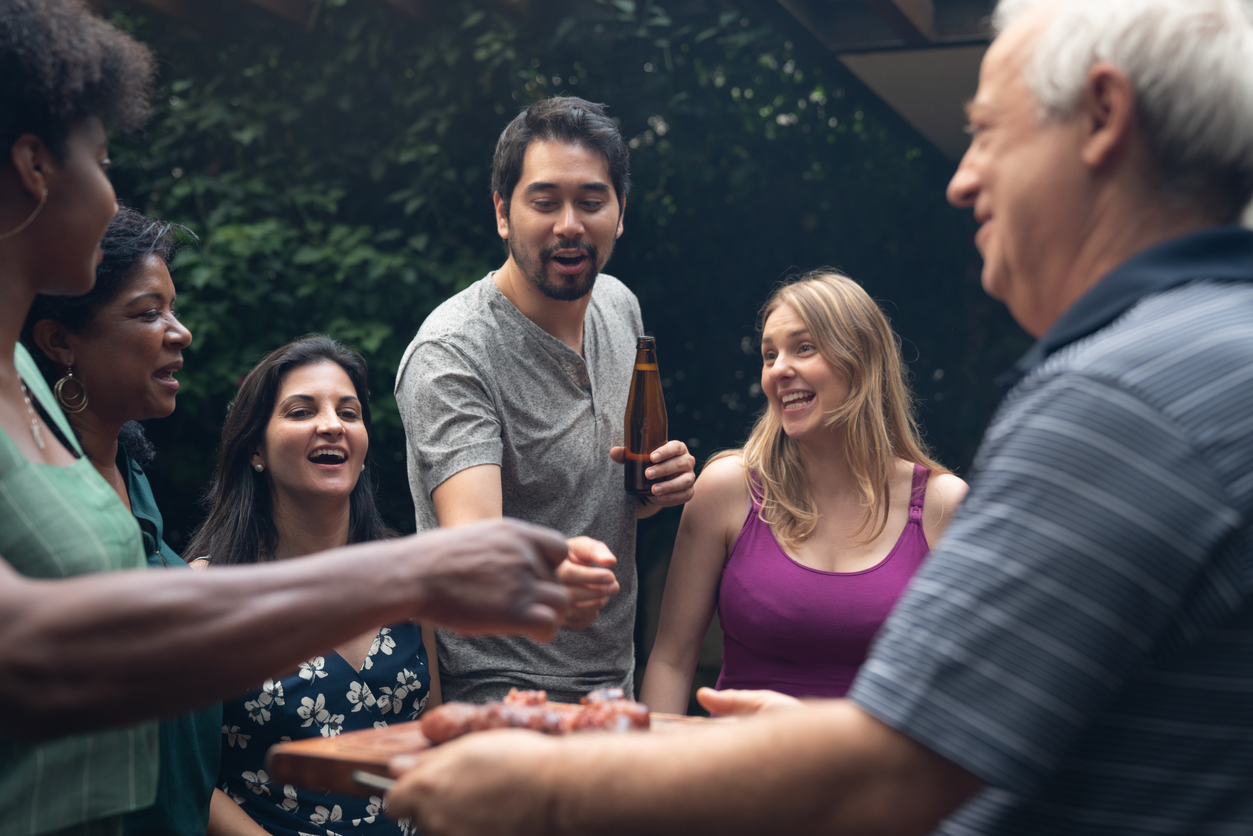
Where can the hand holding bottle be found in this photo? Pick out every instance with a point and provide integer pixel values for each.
(656, 469)
(672, 470)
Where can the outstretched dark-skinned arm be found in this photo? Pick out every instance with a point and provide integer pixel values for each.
(98, 650)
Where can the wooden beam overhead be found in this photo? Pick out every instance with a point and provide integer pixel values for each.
(913, 20)
(297, 11)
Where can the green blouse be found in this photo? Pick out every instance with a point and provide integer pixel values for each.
(191, 744)
(56, 522)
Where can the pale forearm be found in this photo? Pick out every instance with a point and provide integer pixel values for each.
(74, 650)
(646, 509)
(226, 818)
(825, 768)
(667, 686)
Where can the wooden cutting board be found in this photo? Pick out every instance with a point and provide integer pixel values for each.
(327, 763)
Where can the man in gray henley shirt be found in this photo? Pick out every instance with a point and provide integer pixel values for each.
(514, 391)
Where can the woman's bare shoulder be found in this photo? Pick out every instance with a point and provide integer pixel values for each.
(723, 475)
(199, 563)
(945, 493)
(947, 489)
(715, 513)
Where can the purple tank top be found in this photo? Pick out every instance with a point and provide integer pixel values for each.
(803, 631)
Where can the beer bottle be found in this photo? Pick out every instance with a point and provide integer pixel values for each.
(645, 418)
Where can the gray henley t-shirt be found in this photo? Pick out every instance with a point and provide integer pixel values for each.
(482, 384)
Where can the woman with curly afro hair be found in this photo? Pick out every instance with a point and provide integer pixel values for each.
(65, 75)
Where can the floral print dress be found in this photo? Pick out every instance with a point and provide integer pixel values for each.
(324, 697)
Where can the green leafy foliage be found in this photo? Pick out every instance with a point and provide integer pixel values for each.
(336, 177)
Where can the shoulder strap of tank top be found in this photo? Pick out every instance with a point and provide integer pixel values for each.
(919, 493)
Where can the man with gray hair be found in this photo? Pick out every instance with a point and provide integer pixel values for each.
(1076, 656)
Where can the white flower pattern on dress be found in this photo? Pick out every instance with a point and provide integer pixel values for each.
(418, 705)
(311, 711)
(360, 695)
(393, 699)
(321, 815)
(274, 690)
(234, 737)
(313, 669)
(258, 782)
(383, 643)
(325, 694)
(258, 710)
(373, 810)
(333, 725)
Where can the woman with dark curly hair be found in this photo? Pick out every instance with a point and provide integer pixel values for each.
(64, 75)
(110, 356)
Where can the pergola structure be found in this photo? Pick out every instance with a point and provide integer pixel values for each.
(920, 56)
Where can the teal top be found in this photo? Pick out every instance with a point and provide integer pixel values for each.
(57, 522)
(191, 745)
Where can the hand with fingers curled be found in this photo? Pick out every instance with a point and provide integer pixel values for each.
(673, 469)
(482, 784)
(493, 577)
(587, 574)
(737, 703)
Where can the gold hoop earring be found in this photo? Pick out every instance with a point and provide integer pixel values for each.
(74, 402)
(26, 223)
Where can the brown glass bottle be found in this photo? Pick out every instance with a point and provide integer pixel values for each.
(646, 428)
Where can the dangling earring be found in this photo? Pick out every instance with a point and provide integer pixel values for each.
(74, 402)
(26, 223)
(258, 467)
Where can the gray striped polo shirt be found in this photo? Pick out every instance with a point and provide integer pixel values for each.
(1082, 639)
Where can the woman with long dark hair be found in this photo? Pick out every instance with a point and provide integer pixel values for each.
(805, 538)
(293, 477)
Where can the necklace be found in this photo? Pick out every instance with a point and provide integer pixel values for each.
(34, 419)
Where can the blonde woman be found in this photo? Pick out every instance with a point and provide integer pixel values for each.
(806, 538)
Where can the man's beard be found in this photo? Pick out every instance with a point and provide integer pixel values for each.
(574, 287)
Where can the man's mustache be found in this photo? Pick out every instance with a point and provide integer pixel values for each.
(547, 253)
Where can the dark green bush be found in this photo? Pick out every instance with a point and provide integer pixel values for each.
(336, 177)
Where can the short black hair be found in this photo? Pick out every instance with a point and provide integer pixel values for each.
(562, 119)
(59, 64)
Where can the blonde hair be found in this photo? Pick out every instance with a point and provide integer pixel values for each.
(853, 335)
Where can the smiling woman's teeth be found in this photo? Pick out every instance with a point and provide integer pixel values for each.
(796, 399)
(327, 457)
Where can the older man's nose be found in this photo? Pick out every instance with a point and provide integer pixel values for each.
(964, 187)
